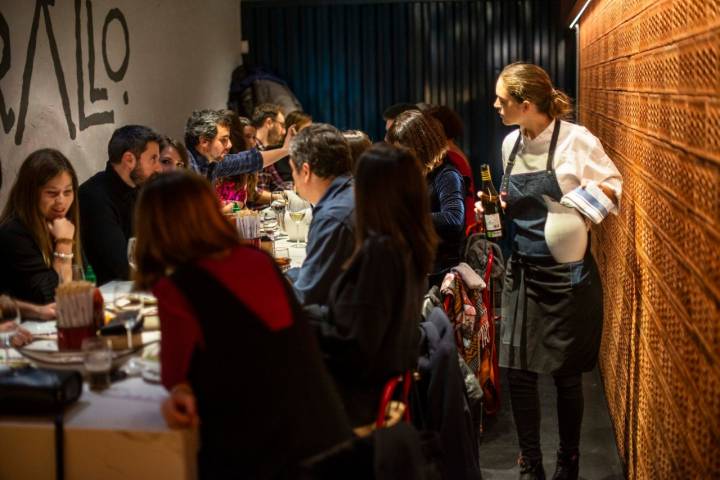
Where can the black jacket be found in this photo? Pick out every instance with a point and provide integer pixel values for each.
(369, 328)
(23, 271)
(107, 205)
(443, 400)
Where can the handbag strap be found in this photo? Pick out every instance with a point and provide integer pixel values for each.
(59, 445)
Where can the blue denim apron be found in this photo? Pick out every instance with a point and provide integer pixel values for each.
(551, 312)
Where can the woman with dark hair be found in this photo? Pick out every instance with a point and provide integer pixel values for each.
(369, 328)
(423, 135)
(235, 190)
(453, 128)
(173, 155)
(261, 395)
(39, 240)
(552, 300)
(358, 141)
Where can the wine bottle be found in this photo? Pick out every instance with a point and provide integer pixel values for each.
(491, 205)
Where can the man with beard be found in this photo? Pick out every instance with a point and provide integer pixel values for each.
(269, 123)
(107, 200)
(207, 138)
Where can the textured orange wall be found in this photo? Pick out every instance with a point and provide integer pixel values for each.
(650, 90)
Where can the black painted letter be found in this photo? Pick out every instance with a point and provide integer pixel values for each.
(8, 118)
(98, 118)
(95, 93)
(119, 74)
(27, 73)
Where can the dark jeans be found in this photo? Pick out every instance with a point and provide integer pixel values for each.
(526, 411)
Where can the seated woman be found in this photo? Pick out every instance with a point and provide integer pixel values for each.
(453, 129)
(236, 354)
(369, 330)
(358, 142)
(39, 239)
(173, 155)
(423, 135)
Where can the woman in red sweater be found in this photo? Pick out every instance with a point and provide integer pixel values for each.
(236, 355)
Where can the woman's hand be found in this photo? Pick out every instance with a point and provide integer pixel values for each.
(44, 312)
(18, 335)
(61, 228)
(21, 337)
(479, 208)
(179, 408)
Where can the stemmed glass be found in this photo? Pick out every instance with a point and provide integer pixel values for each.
(278, 204)
(297, 213)
(128, 308)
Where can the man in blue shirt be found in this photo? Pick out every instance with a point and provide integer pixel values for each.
(320, 161)
(207, 138)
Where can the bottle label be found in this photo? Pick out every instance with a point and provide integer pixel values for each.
(492, 223)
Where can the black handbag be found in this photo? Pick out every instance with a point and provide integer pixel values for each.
(38, 391)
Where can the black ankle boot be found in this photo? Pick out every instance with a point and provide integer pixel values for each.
(531, 470)
(568, 466)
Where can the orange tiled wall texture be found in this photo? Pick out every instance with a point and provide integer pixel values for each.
(650, 89)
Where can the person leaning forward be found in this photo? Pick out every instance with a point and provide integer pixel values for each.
(207, 138)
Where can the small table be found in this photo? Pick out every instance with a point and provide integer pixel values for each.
(118, 433)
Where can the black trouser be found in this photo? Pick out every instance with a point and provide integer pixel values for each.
(526, 411)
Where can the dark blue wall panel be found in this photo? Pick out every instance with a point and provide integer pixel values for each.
(349, 60)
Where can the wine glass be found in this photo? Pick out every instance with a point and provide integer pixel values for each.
(297, 213)
(128, 308)
(279, 203)
(131, 253)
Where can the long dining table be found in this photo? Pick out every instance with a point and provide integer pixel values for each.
(118, 433)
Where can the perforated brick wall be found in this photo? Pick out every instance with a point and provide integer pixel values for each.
(650, 90)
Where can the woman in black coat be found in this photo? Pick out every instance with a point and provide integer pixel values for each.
(369, 328)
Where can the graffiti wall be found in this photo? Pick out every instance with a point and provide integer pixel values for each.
(71, 71)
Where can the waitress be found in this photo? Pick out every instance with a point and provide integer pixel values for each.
(552, 308)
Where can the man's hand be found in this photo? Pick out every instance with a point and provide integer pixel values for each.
(289, 137)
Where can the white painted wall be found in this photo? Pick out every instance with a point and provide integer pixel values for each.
(181, 56)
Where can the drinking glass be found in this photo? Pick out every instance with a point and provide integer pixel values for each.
(128, 308)
(97, 359)
(77, 273)
(282, 258)
(278, 205)
(131, 253)
(297, 213)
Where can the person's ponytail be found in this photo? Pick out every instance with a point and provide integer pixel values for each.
(560, 104)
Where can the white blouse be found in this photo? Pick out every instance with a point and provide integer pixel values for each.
(579, 158)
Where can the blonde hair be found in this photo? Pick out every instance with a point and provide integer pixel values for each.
(525, 81)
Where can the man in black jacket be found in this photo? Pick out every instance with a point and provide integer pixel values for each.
(107, 200)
